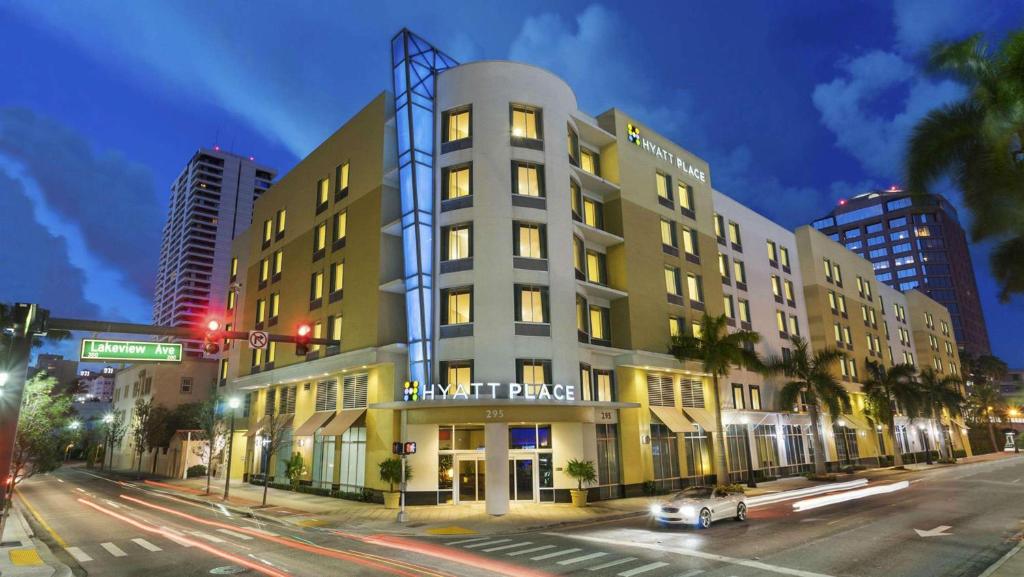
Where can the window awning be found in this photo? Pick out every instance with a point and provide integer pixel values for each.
(253, 431)
(342, 421)
(855, 421)
(313, 423)
(703, 417)
(673, 419)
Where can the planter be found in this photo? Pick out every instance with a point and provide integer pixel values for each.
(392, 499)
(579, 497)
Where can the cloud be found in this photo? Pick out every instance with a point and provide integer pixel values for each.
(112, 200)
(920, 23)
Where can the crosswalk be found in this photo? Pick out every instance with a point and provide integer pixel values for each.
(566, 558)
(85, 553)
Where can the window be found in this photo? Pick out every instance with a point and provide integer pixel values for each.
(326, 396)
(529, 240)
(234, 268)
(186, 386)
(898, 204)
(456, 182)
(897, 222)
(675, 326)
(281, 216)
(581, 316)
(261, 310)
(734, 234)
(780, 321)
(593, 213)
(664, 185)
(341, 179)
(353, 391)
(744, 307)
(873, 227)
(316, 286)
(268, 231)
(278, 262)
(272, 351)
(456, 242)
(596, 271)
(264, 270)
(337, 277)
(457, 307)
(589, 161)
(776, 286)
(525, 123)
(574, 146)
(578, 256)
(532, 304)
(323, 193)
(695, 288)
(275, 305)
(838, 331)
(668, 234)
(527, 179)
(773, 253)
(600, 323)
(672, 285)
(738, 397)
(318, 331)
(784, 256)
(853, 368)
(755, 398)
(832, 301)
(533, 371)
(231, 300)
(788, 290)
(334, 327)
(320, 237)
(740, 270)
(456, 125)
(723, 267)
(690, 241)
(456, 372)
(730, 311)
(685, 197)
(828, 270)
(340, 225)
(720, 227)
(837, 274)
(846, 336)
(664, 451)
(576, 198)
(794, 325)
(859, 214)
(842, 304)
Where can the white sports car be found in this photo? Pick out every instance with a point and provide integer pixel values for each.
(700, 506)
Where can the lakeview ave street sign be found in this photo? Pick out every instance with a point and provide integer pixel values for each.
(110, 350)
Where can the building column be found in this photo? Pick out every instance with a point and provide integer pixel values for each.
(496, 443)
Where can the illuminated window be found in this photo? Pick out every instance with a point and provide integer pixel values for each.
(458, 306)
(723, 266)
(737, 397)
(589, 161)
(832, 301)
(271, 351)
(842, 304)
(581, 314)
(282, 215)
(456, 242)
(524, 122)
(456, 125)
(838, 330)
(728, 304)
(337, 276)
(672, 281)
(316, 288)
(740, 271)
(527, 179)
(744, 307)
(780, 321)
(275, 304)
(843, 367)
(576, 196)
(533, 372)
(593, 213)
(334, 327)
(668, 234)
(828, 270)
(695, 288)
(320, 237)
(664, 185)
(532, 304)
(456, 182)
(264, 270)
(578, 256)
(734, 234)
(278, 262)
(341, 178)
(231, 300)
(755, 398)
(788, 292)
(685, 196)
(773, 254)
(458, 372)
(340, 225)
(234, 268)
(690, 241)
(529, 240)
(846, 336)
(720, 227)
(223, 369)
(318, 331)
(695, 330)
(675, 326)
(600, 325)
(268, 230)
(776, 286)
(853, 368)
(794, 325)
(596, 271)
(323, 191)
(837, 274)
(261, 310)
(784, 256)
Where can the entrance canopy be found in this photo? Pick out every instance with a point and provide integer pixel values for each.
(703, 417)
(341, 422)
(673, 419)
(317, 420)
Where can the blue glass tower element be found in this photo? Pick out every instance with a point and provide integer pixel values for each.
(415, 64)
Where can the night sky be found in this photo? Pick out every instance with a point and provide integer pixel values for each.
(794, 105)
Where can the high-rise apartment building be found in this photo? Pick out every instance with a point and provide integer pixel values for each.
(211, 202)
(914, 245)
(504, 274)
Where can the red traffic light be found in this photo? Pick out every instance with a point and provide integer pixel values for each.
(213, 325)
(303, 330)
(302, 334)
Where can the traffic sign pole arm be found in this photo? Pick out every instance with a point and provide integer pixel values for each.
(181, 332)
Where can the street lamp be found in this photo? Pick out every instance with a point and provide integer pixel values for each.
(3, 378)
(108, 419)
(233, 404)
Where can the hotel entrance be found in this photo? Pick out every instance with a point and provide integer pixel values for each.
(472, 478)
(522, 479)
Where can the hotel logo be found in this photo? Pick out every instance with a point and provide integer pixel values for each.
(633, 134)
(411, 391)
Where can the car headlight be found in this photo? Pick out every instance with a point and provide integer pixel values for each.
(688, 511)
(655, 509)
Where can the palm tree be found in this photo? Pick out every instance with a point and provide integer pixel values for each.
(984, 400)
(718, 350)
(886, 390)
(979, 142)
(940, 392)
(812, 384)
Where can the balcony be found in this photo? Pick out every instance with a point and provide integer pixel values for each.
(595, 236)
(600, 291)
(595, 184)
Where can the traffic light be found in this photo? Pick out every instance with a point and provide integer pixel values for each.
(302, 336)
(212, 338)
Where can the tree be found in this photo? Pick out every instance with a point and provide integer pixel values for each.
(582, 471)
(115, 430)
(979, 142)
(718, 351)
(391, 472)
(295, 468)
(141, 429)
(811, 383)
(940, 392)
(888, 389)
(982, 402)
(159, 431)
(43, 432)
(272, 437)
(212, 426)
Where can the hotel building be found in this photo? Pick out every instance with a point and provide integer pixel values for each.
(505, 273)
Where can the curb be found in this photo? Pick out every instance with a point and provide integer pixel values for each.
(51, 561)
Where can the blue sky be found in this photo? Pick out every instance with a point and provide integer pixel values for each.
(794, 104)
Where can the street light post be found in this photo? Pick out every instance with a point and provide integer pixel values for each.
(233, 403)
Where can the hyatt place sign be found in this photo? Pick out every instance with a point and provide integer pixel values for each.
(634, 136)
(413, 391)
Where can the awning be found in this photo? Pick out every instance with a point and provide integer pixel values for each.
(703, 417)
(341, 422)
(253, 431)
(856, 422)
(313, 423)
(673, 419)
(284, 422)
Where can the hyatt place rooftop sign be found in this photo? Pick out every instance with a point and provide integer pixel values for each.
(634, 136)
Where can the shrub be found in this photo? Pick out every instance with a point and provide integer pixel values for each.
(650, 488)
(731, 488)
(582, 471)
(195, 471)
(391, 472)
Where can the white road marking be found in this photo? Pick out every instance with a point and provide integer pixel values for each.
(939, 531)
(530, 550)
(461, 541)
(504, 547)
(612, 563)
(146, 545)
(59, 480)
(697, 554)
(208, 537)
(486, 543)
(113, 550)
(554, 554)
(241, 536)
(691, 573)
(78, 554)
(643, 569)
(582, 558)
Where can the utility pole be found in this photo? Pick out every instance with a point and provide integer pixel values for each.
(233, 403)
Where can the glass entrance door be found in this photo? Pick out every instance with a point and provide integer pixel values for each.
(520, 479)
(472, 480)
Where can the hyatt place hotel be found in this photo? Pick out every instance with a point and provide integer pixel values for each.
(505, 272)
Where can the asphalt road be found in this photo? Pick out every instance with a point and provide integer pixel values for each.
(981, 505)
(970, 515)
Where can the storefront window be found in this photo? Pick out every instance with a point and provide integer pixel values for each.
(353, 458)
(846, 443)
(698, 454)
(664, 449)
(444, 438)
(323, 461)
(522, 438)
(469, 438)
(767, 447)
(736, 442)
(608, 460)
(795, 453)
(445, 476)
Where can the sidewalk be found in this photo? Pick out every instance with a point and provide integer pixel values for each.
(305, 510)
(23, 555)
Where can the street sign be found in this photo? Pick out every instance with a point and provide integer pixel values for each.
(258, 339)
(400, 448)
(410, 448)
(111, 350)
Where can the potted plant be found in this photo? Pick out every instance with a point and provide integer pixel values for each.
(391, 473)
(583, 472)
(295, 468)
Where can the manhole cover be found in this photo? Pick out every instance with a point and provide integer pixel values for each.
(227, 570)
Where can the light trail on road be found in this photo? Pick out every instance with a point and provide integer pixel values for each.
(825, 500)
